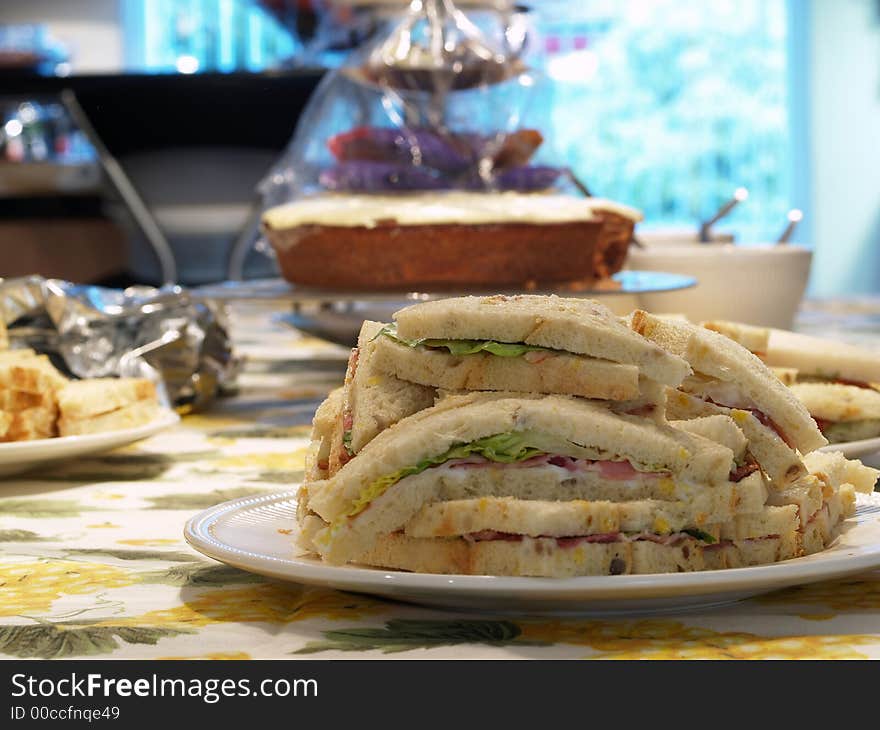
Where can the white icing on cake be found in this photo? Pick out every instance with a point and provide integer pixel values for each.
(440, 208)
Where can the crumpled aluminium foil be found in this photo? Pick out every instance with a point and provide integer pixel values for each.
(162, 334)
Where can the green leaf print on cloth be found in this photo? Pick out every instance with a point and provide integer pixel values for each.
(200, 574)
(263, 432)
(171, 556)
(155, 459)
(408, 634)
(197, 501)
(46, 640)
(20, 536)
(132, 467)
(40, 508)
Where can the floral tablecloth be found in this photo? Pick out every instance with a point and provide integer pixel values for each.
(93, 562)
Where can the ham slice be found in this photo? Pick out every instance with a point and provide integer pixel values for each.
(617, 471)
(741, 472)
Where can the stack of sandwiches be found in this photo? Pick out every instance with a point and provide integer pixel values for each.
(544, 436)
(838, 383)
(38, 402)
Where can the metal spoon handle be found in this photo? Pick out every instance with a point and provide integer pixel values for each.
(739, 196)
(795, 216)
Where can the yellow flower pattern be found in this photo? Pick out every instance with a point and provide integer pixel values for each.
(280, 460)
(268, 603)
(861, 594)
(32, 587)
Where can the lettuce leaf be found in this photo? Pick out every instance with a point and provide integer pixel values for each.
(472, 347)
(505, 448)
(699, 535)
(464, 347)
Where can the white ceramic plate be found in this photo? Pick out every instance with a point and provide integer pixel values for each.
(21, 456)
(255, 534)
(855, 449)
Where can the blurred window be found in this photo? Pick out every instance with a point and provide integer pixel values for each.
(670, 106)
(191, 36)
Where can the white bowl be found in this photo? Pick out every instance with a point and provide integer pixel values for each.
(680, 236)
(759, 284)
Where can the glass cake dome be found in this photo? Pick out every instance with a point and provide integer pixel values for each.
(434, 103)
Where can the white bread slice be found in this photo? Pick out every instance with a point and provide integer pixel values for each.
(325, 415)
(373, 398)
(825, 525)
(577, 518)
(581, 326)
(557, 372)
(19, 400)
(806, 495)
(309, 526)
(551, 483)
(847, 495)
(527, 557)
(837, 402)
(787, 376)
(555, 519)
(29, 373)
(81, 399)
(729, 554)
(318, 454)
(16, 354)
(814, 356)
(544, 557)
(835, 469)
(759, 551)
(377, 400)
(131, 416)
(778, 460)
(782, 520)
(31, 424)
(718, 357)
(754, 339)
(650, 403)
(718, 428)
(515, 516)
(817, 534)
